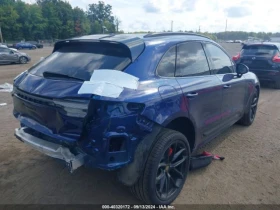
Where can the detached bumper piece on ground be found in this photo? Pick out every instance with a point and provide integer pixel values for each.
(203, 160)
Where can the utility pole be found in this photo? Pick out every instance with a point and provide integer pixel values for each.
(199, 29)
(226, 30)
(226, 26)
(1, 37)
(171, 25)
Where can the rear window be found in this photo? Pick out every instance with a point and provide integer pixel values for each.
(79, 60)
(259, 50)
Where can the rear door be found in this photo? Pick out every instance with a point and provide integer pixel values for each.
(258, 58)
(203, 92)
(234, 88)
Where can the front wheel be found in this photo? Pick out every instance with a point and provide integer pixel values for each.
(250, 114)
(23, 60)
(166, 169)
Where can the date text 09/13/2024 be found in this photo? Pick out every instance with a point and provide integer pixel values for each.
(138, 207)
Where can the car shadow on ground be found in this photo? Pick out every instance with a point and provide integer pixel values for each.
(267, 85)
(89, 186)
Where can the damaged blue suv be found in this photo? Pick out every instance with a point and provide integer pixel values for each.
(141, 105)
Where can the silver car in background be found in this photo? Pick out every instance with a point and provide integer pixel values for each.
(10, 55)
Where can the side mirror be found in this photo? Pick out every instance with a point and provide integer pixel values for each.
(241, 69)
(11, 52)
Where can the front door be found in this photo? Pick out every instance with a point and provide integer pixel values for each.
(9, 56)
(202, 91)
(234, 88)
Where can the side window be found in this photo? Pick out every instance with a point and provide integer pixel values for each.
(166, 67)
(191, 60)
(220, 60)
(6, 51)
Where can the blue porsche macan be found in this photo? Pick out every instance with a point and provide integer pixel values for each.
(141, 105)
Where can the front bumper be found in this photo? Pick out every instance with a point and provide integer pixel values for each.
(51, 149)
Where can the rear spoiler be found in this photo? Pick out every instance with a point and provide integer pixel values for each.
(134, 44)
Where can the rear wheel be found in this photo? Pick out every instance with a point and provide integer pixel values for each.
(23, 60)
(250, 114)
(166, 169)
(19, 48)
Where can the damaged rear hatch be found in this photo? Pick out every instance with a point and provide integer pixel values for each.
(46, 98)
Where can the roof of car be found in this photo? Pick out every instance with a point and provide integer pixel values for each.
(264, 43)
(135, 42)
(162, 37)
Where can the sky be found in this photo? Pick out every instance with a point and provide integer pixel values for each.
(209, 15)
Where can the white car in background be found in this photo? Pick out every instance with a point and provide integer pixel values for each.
(3, 45)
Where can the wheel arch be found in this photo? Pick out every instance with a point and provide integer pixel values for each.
(130, 174)
(23, 57)
(185, 126)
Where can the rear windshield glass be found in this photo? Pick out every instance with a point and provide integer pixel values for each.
(79, 60)
(259, 50)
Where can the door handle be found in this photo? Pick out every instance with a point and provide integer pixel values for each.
(191, 95)
(227, 86)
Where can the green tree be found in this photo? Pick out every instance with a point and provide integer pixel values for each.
(82, 24)
(50, 13)
(100, 15)
(117, 23)
(38, 23)
(11, 28)
(31, 19)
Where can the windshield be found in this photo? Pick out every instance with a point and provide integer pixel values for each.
(79, 60)
(259, 50)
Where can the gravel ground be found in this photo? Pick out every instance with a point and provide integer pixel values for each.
(249, 174)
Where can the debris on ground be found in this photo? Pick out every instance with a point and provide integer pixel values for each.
(3, 104)
(203, 160)
(6, 87)
(215, 157)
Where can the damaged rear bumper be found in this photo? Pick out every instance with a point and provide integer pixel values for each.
(51, 149)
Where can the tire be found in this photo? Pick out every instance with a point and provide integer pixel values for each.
(19, 48)
(250, 114)
(23, 60)
(168, 144)
(277, 85)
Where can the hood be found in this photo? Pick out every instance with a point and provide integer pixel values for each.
(14, 49)
(22, 53)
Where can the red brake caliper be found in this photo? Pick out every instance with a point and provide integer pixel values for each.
(170, 150)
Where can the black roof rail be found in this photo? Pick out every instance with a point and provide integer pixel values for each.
(171, 34)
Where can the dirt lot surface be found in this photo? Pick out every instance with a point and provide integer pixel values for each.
(249, 174)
